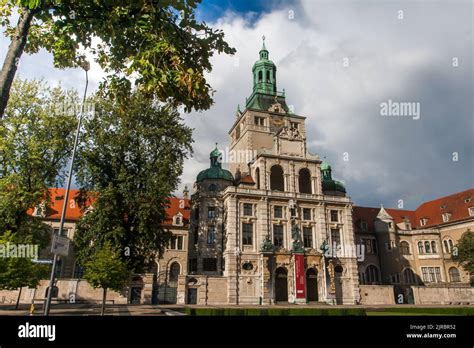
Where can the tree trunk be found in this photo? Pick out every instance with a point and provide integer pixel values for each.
(15, 50)
(18, 298)
(104, 297)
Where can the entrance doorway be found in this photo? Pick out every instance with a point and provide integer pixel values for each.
(281, 285)
(192, 296)
(135, 295)
(312, 285)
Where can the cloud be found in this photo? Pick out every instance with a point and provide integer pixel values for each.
(405, 60)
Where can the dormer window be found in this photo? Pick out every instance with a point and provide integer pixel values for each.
(294, 125)
(446, 217)
(178, 219)
(423, 221)
(363, 225)
(443, 206)
(40, 210)
(471, 211)
(467, 200)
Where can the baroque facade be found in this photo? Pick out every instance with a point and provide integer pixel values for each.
(257, 228)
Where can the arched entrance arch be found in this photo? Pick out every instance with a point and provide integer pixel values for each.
(311, 285)
(281, 285)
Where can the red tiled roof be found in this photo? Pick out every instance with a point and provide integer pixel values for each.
(57, 195)
(73, 211)
(247, 180)
(455, 204)
(175, 206)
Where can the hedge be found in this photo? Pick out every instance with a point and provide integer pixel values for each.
(275, 311)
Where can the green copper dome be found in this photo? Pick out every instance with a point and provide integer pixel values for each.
(325, 166)
(215, 171)
(265, 92)
(330, 185)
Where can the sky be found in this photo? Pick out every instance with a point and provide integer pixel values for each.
(338, 62)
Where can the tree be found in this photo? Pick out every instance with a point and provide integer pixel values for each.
(17, 272)
(106, 270)
(35, 143)
(463, 252)
(129, 161)
(160, 46)
(35, 138)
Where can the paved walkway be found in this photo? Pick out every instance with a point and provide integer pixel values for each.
(86, 309)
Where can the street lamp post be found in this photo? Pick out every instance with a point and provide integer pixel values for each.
(86, 68)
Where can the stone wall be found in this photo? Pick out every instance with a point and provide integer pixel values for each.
(376, 295)
(443, 295)
(68, 290)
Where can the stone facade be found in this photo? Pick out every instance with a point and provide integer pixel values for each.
(407, 249)
(261, 231)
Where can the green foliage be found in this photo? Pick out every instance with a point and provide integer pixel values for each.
(160, 43)
(106, 269)
(463, 252)
(16, 272)
(35, 143)
(130, 160)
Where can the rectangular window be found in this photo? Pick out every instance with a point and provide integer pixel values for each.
(370, 246)
(335, 237)
(363, 225)
(193, 265)
(431, 274)
(307, 237)
(471, 211)
(294, 125)
(180, 242)
(211, 212)
(248, 209)
(277, 235)
(209, 264)
(306, 214)
(334, 216)
(293, 212)
(278, 212)
(259, 121)
(172, 243)
(247, 234)
(211, 235)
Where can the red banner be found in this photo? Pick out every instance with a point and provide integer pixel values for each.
(300, 276)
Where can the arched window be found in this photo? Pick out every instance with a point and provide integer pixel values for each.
(277, 182)
(420, 247)
(372, 274)
(434, 250)
(448, 246)
(338, 271)
(268, 73)
(257, 178)
(305, 180)
(212, 187)
(409, 276)
(404, 248)
(427, 248)
(454, 275)
(260, 76)
(174, 271)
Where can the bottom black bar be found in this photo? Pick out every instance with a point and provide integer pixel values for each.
(246, 331)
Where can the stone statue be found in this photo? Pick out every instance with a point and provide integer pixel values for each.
(297, 242)
(267, 245)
